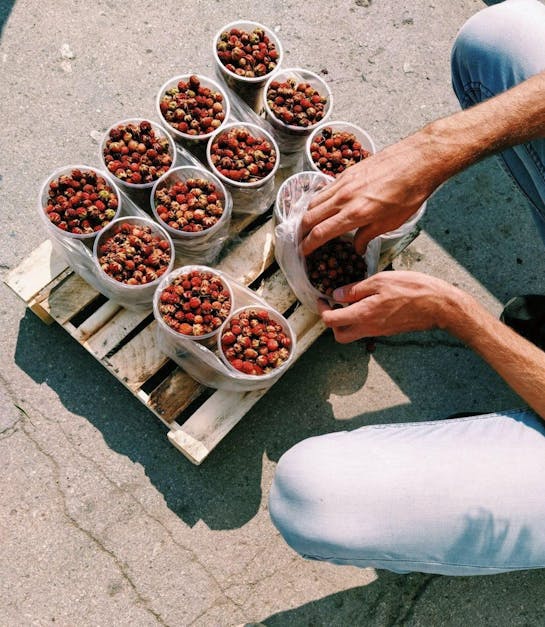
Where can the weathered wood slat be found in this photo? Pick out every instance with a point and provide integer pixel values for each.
(37, 270)
(69, 298)
(138, 360)
(174, 394)
(114, 332)
(211, 422)
(97, 320)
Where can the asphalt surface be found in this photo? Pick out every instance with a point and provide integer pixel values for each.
(102, 521)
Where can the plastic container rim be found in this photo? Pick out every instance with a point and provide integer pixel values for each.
(154, 225)
(171, 276)
(176, 132)
(59, 172)
(155, 126)
(256, 80)
(206, 174)
(293, 127)
(334, 123)
(286, 327)
(260, 131)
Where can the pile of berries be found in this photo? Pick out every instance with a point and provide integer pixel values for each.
(297, 104)
(133, 255)
(192, 108)
(81, 203)
(195, 303)
(191, 206)
(134, 153)
(240, 156)
(247, 54)
(334, 264)
(255, 344)
(334, 151)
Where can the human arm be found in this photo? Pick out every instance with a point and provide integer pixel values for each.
(381, 192)
(395, 302)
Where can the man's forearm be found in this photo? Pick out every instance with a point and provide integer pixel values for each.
(519, 362)
(451, 144)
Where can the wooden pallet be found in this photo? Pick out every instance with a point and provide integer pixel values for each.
(124, 341)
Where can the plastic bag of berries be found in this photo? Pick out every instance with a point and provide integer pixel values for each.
(195, 208)
(332, 265)
(245, 157)
(220, 332)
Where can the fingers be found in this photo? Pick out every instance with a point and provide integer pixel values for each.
(354, 292)
(330, 228)
(362, 238)
(347, 326)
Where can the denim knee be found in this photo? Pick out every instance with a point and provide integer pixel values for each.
(497, 48)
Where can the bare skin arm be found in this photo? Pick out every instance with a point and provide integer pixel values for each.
(395, 302)
(380, 193)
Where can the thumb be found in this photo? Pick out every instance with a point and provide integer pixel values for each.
(354, 291)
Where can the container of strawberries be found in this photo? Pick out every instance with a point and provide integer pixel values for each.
(131, 256)
(246, 55)
(245, 158)
(137, 152)
(195, 207)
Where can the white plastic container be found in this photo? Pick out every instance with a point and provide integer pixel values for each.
(337, 126)
(138, 192)
(134, 297)
(255, 197)
(185, 139)
(171, 336)
(250, 89)
(202, 246)
(264, 380)
(53, 230)
(290, 137)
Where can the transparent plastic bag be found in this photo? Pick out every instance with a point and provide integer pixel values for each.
(201, 246)
(294, 197)
(289, 137)
(139, 192)
(79, 256)
(256, 197)
(200, 356)
(337, 126)
(250, 89)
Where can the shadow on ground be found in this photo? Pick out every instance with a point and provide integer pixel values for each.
(5, 9)
(436, 375)
(428, 368)
(418, 599)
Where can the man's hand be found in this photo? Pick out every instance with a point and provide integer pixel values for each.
(374, 196)
(391, 302)
(381, 192)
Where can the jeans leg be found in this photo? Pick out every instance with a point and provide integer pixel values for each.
(496, 49)
(454, 497)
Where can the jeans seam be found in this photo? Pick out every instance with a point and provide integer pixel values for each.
(426, 562)
(509, 413)
(467, 101)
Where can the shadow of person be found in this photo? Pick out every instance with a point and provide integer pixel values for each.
(420, 599)
(224, 492)
(6, 7)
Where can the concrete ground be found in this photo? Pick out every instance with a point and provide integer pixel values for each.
(102, 521)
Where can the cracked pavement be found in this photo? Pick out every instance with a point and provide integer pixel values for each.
(102, 521)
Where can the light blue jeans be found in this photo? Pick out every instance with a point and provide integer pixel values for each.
(458, 496)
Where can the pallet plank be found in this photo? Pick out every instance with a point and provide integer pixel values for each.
(105, 340)
(97, 320)
(69, 298)
(174, 394)
(138, 360)
(37, 270)
(211, 422)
